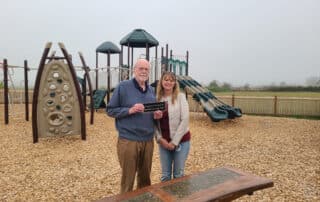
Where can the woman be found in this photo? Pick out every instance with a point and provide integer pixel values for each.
(173, 136)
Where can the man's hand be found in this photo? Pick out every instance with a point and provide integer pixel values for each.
(136, 108)
(157, 114)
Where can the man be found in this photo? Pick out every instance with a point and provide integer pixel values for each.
(135, 127)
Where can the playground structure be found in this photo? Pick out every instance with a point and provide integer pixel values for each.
(14, 96)
(57, 107)
(138, 38)
(215, 108)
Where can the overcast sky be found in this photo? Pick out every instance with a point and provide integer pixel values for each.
(254, 42)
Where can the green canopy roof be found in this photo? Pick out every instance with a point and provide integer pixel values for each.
(139, 38)
(108, 47)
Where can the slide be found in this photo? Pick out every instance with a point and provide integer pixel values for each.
(98, 98)
(215, 108)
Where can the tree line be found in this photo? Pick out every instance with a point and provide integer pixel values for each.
(312, 85)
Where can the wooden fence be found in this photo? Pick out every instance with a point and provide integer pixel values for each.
(287, 106)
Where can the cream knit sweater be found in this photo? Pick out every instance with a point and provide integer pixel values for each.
(178, 118)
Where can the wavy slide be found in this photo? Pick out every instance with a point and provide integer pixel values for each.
(215, 108)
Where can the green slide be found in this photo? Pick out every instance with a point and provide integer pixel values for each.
(215, 108)
(98, 98)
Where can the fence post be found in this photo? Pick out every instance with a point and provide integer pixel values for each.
(6, 91)
(232, 101)
(275, 105)
(26, 90)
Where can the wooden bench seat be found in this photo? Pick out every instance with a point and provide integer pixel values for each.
(219, 184)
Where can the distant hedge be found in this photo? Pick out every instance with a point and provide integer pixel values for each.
(293, 88)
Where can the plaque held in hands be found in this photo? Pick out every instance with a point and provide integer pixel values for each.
(151, 107)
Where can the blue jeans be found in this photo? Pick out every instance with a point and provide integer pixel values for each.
(173, 161)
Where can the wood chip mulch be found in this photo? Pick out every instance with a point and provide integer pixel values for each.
(68, 169)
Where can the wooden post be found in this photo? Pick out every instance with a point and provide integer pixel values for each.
(187, 65)
(6, 98)
(147, 51)
(97, 71)
(232, 100)
(128, 57)
(275, 105)
(87, 78)
(75, 83)
(156, 64)
(163, 66)
(162, 52)
(84, 90)
(167, 51)
(120, 63)
(26, 93)
(170, 67)
(108, 78)
(132, 59)
(36, 93)
(121, 57)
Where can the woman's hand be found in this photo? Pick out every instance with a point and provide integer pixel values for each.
(171, 146)
(165, 144)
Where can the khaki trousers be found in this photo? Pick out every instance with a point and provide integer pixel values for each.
(134, 157)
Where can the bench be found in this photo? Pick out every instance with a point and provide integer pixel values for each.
(219, 184)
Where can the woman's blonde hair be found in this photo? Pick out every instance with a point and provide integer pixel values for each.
(176, 88)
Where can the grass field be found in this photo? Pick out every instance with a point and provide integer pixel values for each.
(270, 94)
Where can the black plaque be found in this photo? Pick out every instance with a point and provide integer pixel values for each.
(150, 107)
(194, 184)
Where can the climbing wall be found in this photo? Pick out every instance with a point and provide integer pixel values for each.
(58, 109)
